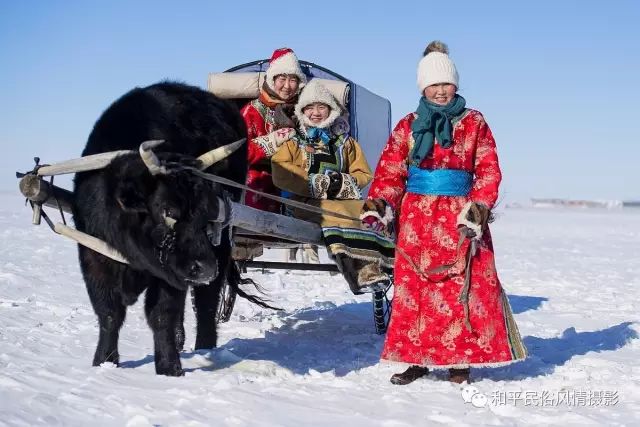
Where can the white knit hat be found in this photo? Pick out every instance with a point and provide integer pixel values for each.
(284, 61)
(314, 91)
(436, 67)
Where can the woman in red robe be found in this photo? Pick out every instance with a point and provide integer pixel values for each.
(436, 183)
(269, 124)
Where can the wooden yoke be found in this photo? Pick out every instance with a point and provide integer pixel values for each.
(40, 192)
(245, 218)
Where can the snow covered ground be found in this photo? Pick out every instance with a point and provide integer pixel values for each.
(572, 277)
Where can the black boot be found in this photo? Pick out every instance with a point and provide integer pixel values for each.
(410, 375)
(459, 376)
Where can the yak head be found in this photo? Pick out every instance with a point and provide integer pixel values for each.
(168, 220)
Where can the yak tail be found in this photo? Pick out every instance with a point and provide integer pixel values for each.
(235, 280)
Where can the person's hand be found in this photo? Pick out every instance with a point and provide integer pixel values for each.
(473, 220)
(318, 185)
(335, 184)
(466, 231)
(372, 222)
(377, 215)
(280, 136)
(271, 142)
(340, 125)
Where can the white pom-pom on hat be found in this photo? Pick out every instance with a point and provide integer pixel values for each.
(436, 67)
(284, 61)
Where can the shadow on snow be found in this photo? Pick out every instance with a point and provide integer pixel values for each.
(521, 303)
(545, 354)
(343, 339)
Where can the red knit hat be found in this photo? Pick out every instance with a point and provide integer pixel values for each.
(284, 61)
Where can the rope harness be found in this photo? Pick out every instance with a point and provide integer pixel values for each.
(300, 205)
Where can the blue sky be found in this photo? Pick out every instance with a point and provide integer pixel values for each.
(556, 80)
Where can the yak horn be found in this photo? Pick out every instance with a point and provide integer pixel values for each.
(90, 242)
(149, 158)
(217, 154)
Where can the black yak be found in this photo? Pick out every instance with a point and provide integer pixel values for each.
(162, 218)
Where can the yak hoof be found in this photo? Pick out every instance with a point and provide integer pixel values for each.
(169, 369)
(205, 343)
(112, 357)
(173, 371)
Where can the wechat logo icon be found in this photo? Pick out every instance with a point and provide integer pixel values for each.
(471, 394)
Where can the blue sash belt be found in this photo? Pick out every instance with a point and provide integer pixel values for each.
(439, 182)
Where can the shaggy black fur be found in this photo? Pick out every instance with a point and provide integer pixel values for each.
(124, 205)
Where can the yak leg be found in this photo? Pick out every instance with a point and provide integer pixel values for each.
(206, 300)
(102, 279)
(163, 307)
(111, 312)
(179, 331)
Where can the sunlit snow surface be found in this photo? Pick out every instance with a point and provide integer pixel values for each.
(573, 281)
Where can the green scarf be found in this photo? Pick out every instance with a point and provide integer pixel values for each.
(433, 121)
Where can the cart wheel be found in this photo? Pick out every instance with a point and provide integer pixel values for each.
(382, 306)
(225, 303)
